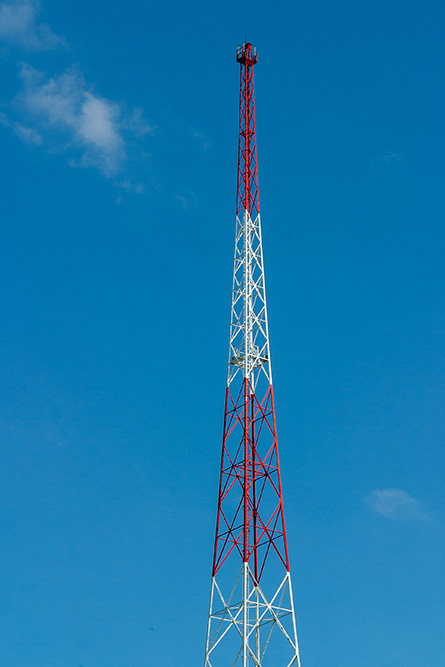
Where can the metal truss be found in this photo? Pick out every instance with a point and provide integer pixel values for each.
(261, 629)
(249, 335)
(250, 521)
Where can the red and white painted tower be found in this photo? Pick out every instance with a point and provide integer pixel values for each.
(251, 619)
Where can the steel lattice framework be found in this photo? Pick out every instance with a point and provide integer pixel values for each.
(251, 618)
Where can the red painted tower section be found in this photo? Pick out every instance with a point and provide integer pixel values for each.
(247, 182)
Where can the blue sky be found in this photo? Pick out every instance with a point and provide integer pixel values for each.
(118, 130)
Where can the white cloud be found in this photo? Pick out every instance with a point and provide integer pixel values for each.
(19, 26)
(396, 504)
(131, 185)
(81, 120)
(392, 157)
(27, 134)
(63, 113)
(186, 201)
(137, 124)
(98, 123)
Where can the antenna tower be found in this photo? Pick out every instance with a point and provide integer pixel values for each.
(251, 619)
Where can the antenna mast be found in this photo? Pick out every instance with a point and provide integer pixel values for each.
(251, 619)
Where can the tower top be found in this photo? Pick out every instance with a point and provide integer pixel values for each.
(247, 186)
(246, 54)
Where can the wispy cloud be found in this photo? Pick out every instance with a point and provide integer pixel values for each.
(392, 157)
(27, 134)
(396, 504)
(204, 141)
(89, 124)
(19, 26)
(186, 201)
(137, 124)
(59, 111)
(64, 113)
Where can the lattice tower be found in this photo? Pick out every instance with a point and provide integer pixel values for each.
(251, 619)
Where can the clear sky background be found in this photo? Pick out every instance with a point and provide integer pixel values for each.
(118, 131)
